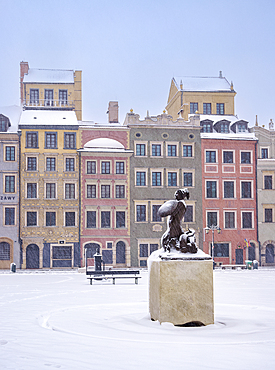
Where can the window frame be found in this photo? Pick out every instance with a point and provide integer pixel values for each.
(67, 213)
(31, 189)
(234, 189)
(29, 168)
(144, 145)
(50, 213)
(68, 166)
(252, 219)
(32, 141)
(70, 190)
(91, 167)
(5, 216)
(216, 190)
(49, 143)
(71, 145)
(229, 211)
(14, 184)
(50, 188)
(10, 155)
(105, 167)
(28, 214)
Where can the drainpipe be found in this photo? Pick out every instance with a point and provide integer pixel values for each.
(257, 216)
(19, 198)
(79, 204)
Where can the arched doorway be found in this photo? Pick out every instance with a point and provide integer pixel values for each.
(5, 255)
(90, 251)
(120, 252)
(269, 253)
(32, 256)
(251, 252)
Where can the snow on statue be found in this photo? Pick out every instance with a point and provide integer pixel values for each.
(175, 237)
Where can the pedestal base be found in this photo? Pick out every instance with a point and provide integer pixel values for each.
(181, 291)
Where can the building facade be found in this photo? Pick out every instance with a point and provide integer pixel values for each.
(49, 189)
(266, 191)
(202, 95)
(9, 187)
(54, 89)
(167, 156)
(105, 204)
(229, 194)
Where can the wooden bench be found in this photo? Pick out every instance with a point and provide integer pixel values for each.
(113, 274)
(233, 267)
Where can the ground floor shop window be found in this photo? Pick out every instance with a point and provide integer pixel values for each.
(62, 256)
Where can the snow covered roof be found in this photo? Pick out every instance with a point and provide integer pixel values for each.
(218, 117)
(229, 136)
(105, 145)
(47, 117)
(203, 83)
(13, 112)
(49, 76)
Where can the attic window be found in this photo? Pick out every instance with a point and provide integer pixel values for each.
(4, 123)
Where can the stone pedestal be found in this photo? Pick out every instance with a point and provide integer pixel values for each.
(181, 291)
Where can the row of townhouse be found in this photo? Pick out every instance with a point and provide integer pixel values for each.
(71, 187)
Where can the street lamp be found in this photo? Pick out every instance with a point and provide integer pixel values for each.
(207, 229)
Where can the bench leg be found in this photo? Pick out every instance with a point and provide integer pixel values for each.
(136, 280)
(91, 281)
(114, 280)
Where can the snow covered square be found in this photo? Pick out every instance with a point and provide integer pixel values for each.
(56, 320)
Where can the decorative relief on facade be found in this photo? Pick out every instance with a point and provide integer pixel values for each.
(157, 227)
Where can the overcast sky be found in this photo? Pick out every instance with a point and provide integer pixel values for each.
(129, 50)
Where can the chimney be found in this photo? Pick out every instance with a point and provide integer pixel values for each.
(113, 112)
(220, 75)
(24, 69)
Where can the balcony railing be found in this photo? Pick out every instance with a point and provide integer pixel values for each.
(48, 103)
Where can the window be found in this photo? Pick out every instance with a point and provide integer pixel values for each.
(34, 96)
(227, 157)
(187, 151)
(31, 190)
(212, 219)
(140, 150)
(153, 247)
(120, 191)
(120, 219)
(264, 153)
(50, 164)
(120, 167)
(221, 249)
(50, 190)
(210, 156)
(241, 127)
(229, 220)
(141, 213)
(50, 219)
(91, 219)
(156, 178)
(91, 191)
(31, 164)
(155, 213)
(31, 140)
(69, 140)
(220, 108)
(91, 167)
(268, 215)
(143, 250)
(140, 178)
(211, 189)
(188, 217)
(63, 96)
(9, 216)
(156, 150)
(224, 127)
(268, 182)
(206, 108)
(172, 179)
(62, 256)
(69, 191)
(10, 153)
(48, 97)
(228, 189)
(9, 184)
(51, 140)
(246, 189)
(193, 108)
(247, 220)
(105, 191)
(4, 251)
(207, 127)
(31, 218)
(4, 123)
(245, 157)
(70, 164)
(105, 219)
(105, 167)
(171, 150)
(69, 218)
(187, 179)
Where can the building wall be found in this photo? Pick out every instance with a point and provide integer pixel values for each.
(9, 200)
(161, 130)
(266, 192)
(222, 173)
(49, 238)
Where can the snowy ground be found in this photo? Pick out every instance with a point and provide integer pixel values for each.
(56, 320)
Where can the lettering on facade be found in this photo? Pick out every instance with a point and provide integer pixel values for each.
(4, 197)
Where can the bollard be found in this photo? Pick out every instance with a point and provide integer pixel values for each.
(13, 267)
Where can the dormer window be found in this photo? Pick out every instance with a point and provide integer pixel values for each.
(207, 126)
(222, 126)
(4, 123)
(241, 127)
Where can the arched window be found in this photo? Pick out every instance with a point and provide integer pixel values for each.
(120, 252)
(4, 251)
(32, 256)
(269, 253)
(91, 249)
